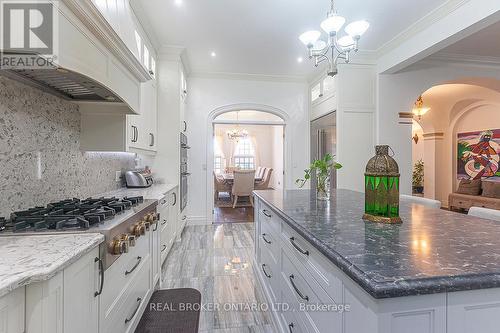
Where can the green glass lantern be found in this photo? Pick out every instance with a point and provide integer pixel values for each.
(382, 188)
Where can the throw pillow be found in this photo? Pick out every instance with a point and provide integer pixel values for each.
(470, 187)
(491, 189)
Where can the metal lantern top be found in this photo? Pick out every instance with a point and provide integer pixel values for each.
(382, 164)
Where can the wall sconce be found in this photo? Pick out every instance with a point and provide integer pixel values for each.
(416, 138)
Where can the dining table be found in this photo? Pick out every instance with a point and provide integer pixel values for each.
(229, 177)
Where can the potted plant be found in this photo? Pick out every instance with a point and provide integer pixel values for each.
(323, 169)
(418, 177)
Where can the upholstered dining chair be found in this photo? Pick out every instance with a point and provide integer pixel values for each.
(264, 184)
(422, 201)
(244, 182)
(220, 185)
(485, 213)
(258, 172)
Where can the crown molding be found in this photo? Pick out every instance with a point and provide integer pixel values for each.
(175, 53)
(138, 9)
(249, 77)
(432, 17)
(465, 59)
(93, 20)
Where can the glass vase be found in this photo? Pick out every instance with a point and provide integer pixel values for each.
(323, 187)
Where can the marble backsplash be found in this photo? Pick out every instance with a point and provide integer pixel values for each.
(40, 159)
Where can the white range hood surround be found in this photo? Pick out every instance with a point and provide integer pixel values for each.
(93, 65)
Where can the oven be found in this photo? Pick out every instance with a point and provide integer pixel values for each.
(184, 174)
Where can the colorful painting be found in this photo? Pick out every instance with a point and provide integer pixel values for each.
(479, 155)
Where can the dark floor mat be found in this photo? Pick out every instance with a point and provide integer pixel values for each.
(172, 311)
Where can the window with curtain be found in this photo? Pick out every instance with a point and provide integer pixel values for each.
(218, 156)
(244, 155)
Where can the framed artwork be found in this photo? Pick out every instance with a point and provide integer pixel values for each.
(478, 155)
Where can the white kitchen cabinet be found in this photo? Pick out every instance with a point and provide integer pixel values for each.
(143, 127)
(170, 226)
(12, 312)
(44, 306)
(307, 278)
(66, 303)
(106, 130)
(81, 305)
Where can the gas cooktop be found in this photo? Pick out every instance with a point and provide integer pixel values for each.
(72, 215)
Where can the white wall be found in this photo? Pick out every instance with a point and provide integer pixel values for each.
(207, 94)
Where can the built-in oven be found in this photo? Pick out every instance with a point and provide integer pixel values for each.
(184, 171)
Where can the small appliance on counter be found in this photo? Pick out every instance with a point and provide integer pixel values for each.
(139, 178)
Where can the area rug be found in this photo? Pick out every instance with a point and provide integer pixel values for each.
(172, 311)
(225, 201)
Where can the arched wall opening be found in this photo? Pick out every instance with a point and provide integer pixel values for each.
(460, 113)
(253, 118)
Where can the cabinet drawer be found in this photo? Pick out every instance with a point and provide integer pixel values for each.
(270, 271)
(301, 252)
(125, 317)
(268, 218)
(319, 310)
(269, 241)
(166, 241)
(115, 279)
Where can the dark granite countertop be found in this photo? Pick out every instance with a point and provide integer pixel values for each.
(433, 251)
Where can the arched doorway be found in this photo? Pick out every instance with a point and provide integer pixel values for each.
(246, 136)
(461, 111)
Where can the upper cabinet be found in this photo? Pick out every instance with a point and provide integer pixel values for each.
(122, 18)
(323, 96)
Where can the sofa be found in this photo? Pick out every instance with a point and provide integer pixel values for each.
(475, 193)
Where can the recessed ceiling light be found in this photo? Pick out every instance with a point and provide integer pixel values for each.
(178, 2)
(213, 54)
(300, 59)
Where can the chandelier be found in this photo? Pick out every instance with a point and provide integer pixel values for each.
(419, 109)
(334, 48)
(237, 133)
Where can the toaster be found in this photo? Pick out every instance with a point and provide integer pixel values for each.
(138, 179)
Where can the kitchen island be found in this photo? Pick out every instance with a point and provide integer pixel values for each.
(439, 271)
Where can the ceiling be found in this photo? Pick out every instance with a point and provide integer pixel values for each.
(261, 36)
(483, 43)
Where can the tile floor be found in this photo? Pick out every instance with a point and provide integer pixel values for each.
(217, 260)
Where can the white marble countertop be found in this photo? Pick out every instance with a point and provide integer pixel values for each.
(33, 258)
(155, 192)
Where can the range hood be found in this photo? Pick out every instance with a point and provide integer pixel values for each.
(63, 83)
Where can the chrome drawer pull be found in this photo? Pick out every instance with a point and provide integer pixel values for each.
(264, 270)
(164, 247)
(292, 240)
(139, 300)
(265, 240)
(305, 298)
(164, 222)
(135, 266)
(266, 212)
(290, 328)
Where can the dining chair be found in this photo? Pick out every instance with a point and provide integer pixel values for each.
(258, 172)
(264, 184)
(244, 182)
(422, 201)
(220, 185)
(485, 213)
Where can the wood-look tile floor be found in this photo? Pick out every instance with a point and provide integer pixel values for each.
(233, 215)
(217, 260)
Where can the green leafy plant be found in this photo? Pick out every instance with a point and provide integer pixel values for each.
(418, 174)
(323, 168)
